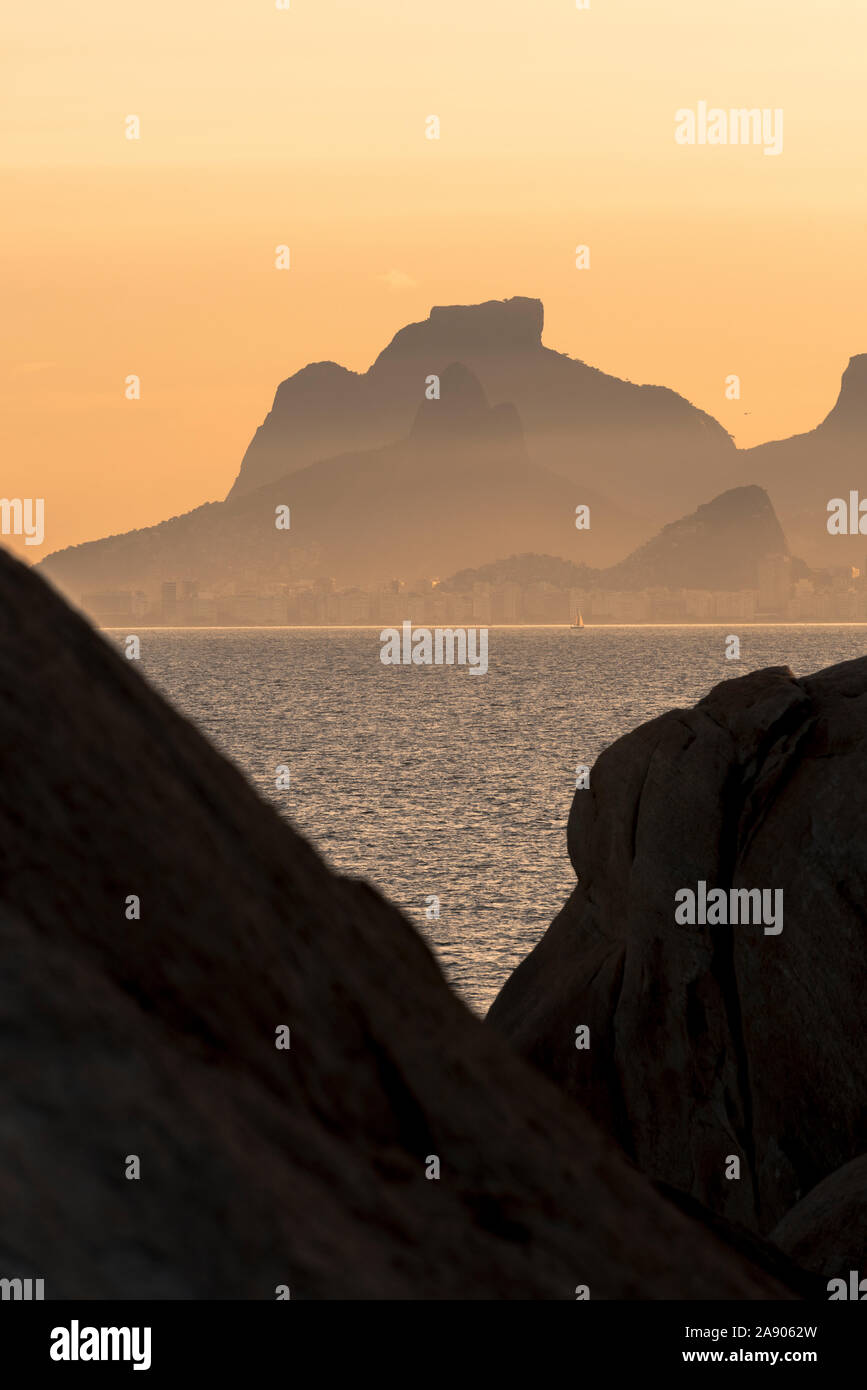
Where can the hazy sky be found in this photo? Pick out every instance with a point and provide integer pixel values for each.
(307, 127)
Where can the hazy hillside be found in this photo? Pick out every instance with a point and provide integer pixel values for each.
(459, 488)
(717, 547)
(803, 473)
(523, 569)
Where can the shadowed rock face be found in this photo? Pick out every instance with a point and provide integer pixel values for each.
(710, 1041)
(156, 1038)
(827, 1230)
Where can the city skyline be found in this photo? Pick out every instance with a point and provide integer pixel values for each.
(827, 596)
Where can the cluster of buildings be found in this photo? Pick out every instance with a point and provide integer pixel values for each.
(835, 596)
(838, 596)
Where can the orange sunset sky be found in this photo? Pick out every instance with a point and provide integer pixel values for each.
(262, 126)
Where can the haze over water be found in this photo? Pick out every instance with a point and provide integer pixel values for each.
(427, 780)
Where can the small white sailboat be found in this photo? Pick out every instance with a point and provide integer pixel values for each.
(578, 623)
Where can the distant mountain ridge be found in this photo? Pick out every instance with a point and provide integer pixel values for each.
(804, 472)
(459, 486)
(578, 421)
(646, 444)
(383, 482)
(717, 547)
(526, 568)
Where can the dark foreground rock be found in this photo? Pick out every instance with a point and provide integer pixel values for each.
(155, 1038)
(827, 1230)
(709, 1042)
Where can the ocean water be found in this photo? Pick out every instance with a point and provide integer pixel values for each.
(431, 782)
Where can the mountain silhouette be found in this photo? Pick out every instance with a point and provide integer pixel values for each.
(384, 479)
(720, 546)
(804, 472)
(523, 569)
(459, 488)
(648, 443)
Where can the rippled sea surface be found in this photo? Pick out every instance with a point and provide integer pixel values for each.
(429, 781)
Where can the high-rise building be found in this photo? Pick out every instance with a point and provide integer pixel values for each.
(482, 603)
(775, 584)
(169, 600)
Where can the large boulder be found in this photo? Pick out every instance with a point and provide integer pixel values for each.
(155, 1140)
(709, 1043)
(827, 1231)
